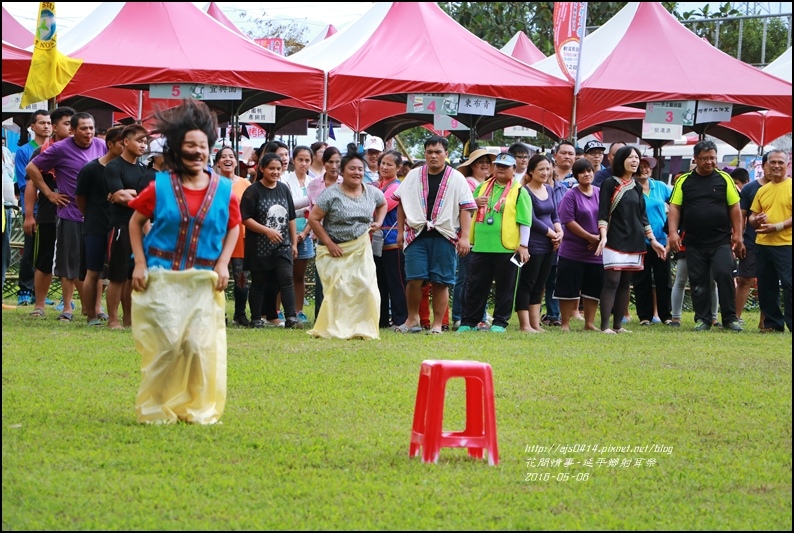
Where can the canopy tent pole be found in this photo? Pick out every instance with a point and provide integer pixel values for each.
(140, 106)
(578, 84)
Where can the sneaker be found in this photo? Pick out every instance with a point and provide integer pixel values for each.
(242, 320)
(464, 329)
(497, 329)
(49, 302)
(645, 322)
(482, 326)
(24, 299)
(673, 323)
(258, 323)
(656, 320)
(702, 326)
(303, 318)
(740, 321)
(281, 315)
(293, 323)
(455, 325)
(734, 325)
(59, 307)
(444, 327)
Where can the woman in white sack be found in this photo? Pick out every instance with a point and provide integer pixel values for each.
(181, 272)
(343, 221)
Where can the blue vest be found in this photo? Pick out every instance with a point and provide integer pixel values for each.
(178, 241)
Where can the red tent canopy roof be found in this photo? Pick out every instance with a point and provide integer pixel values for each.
(15, 33)
(644, 54)
(175, 42)
(401, 47)
(217, 13)
(523, 49)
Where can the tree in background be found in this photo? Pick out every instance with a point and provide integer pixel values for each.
(294, 33)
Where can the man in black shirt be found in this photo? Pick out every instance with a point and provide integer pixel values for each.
(705, 204)
(123, 175)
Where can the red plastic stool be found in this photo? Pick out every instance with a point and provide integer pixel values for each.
(480, 432)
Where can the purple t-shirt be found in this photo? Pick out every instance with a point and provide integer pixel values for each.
(67, 159)
(578, 207)
(544, 215)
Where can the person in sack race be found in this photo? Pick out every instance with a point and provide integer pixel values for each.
(181, 272)
(343, 221)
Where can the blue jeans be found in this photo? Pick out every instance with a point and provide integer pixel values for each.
(552, 305)
(7, 244)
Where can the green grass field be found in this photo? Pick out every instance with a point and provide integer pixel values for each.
(315, 434)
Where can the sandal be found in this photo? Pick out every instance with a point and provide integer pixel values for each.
(405, 329)
(95, 322)
(65, 317)
(434, 331)
(37, 312)
(103, 317)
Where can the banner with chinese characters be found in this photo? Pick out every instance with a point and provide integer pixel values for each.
(713, 112)
(519, 131)
(445, 122)
(477, 105)
(433, 104)
(274, 44)
(12, 102)
(568, 21)
(673, 112)
(263, 114)
(177, 91)
(661, 131)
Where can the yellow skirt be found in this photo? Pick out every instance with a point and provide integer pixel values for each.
(351, 300)
(179, 329)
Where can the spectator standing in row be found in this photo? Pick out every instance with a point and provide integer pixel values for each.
(655, 274)
(499, 232)
(67, 158)
(226, 166)
(606, 172)
(770, 215)
(41, 215)
(623, 227)
(747, 268)
(390, 264)
(373, 147)
(594, 152)
(434, 220)
(580, 272)
(41, 126)
(705, 203)
(92, 199)
(123, 174)
(317, 168)
(520, 153)
(298, 182)
(545, 237)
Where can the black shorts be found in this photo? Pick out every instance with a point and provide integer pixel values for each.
(747, 268)
(577, 278)
(44, 247)
(120, 262)
(95, 252)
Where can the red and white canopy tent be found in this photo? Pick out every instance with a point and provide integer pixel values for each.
(521, 48)
(643, 54)
(326, 32)
(175, 42)
(217, 13)
(398, 48)
(14, 32)
(764, 126)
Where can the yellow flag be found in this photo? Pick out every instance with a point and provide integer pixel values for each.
(50, 70)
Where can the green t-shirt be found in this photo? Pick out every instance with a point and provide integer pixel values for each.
(488, 237)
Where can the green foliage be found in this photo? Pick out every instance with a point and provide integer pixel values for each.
(498, 22)
(315, 434)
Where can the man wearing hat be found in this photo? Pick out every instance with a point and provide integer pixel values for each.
(373, 147)
(499, 231)
(476, 169)
(594, 152)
